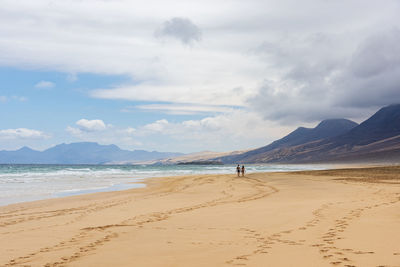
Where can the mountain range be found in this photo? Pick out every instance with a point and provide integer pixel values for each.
(81, 153)
(336, 140)
(377, 139)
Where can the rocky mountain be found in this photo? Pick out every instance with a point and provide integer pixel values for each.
(80, 153)
(375, 140)
(325, 129)
(383, 124)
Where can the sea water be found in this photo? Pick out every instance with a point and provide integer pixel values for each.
(20, 183)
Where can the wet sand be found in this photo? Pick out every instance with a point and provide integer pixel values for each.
(315, 218)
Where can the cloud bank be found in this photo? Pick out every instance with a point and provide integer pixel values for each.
(316, 80)
(266, 62)
(22, 133)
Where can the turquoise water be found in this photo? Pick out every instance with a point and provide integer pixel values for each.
(20, 183)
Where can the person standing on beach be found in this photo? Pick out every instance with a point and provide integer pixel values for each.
(243, 170)
(238, 170)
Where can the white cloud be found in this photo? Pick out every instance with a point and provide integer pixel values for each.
(181, 109)
(45, 85)
(157, 126)
(235, 130)
(3, 98)
(23, 133)
(73, 131)
(91, 125)
(222, 91)
(130, 130)
(85, 127)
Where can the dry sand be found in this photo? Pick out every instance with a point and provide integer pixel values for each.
(325, 218)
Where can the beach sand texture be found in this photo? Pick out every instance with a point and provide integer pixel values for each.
(318, 218)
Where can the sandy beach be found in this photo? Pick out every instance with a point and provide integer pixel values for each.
(316, 218)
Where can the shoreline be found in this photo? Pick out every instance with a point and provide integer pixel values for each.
(142, 182)
(342, 217)
(23, 184)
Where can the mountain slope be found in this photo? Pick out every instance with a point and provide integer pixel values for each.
(204, 156)
(383, 124)
(23, 155)
(325, 129)
(80, 153)
(85, 152)
(377, 139)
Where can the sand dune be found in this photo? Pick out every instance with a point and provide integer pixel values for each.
(329, 218)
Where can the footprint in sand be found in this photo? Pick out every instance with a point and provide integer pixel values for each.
(317, 245)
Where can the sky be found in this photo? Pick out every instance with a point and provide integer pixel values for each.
(188, 76)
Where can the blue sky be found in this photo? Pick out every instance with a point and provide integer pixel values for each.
(51, 101)
(190, 76)
(66, 100)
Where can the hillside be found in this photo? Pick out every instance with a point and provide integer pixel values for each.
(325, 129)
(197, 157)
(375, 140)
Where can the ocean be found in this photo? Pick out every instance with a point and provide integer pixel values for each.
(20, 183)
